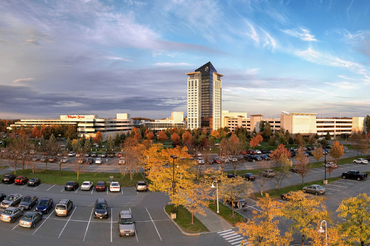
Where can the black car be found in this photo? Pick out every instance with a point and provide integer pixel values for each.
(45, 205)
(71, 185)
(34, 182)
(8, 178)
(90, 160)
(101, 209)
(265, 157)
(2, 196)
(28, 202)
(249, 176)
(294, 170)
(231, 175)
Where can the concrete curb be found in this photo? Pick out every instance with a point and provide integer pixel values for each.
(181, 230)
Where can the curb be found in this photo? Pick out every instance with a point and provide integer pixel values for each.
(181, 230)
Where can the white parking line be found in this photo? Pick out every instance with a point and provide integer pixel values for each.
(153, 223)
(37, 187)
(87, 227)
(331, 189)
(111, 225)
(107, 191)
(62, 190)
(92, 189)
(23, 186)
(15, 226)
(43, 223)
(67, 222)
(50, 187)
(11, 184)
(122, 191)
(77, 190)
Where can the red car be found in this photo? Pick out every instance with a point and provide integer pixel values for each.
(21, 180)
(100, 186)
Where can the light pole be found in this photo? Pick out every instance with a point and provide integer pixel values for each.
(321, 230)
(325, 180)
(213, 186)
(173, 180)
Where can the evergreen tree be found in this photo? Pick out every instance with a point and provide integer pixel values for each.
(327, 136)
(110, 144)
(272, 141)
(42, 143)
(87, 146)
(117, 139)
(367, 123)
(69, 144)
(52, 139)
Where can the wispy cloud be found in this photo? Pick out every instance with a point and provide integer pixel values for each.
(19, 81)
(169, 64)
(115, 58)
(342, 85)
(302, 33)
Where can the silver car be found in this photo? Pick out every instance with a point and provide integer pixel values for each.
(141, 186)
(87, 185)
(30, 219)
(126, 223)
(11, 200)
(11, 214)
(314, 189)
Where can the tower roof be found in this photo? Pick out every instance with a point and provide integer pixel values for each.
(209, 65)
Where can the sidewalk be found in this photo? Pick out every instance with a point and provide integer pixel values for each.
(212, 221)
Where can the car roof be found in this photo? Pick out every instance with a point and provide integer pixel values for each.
(45, 198)
(100, 200)
(63, 201)
(11, 208)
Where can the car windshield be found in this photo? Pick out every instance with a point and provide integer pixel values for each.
(101, 206)
(126, 221)
(85, 183)
(114, 184)
(43, 203)
(8, 212)
(141, 183)
(32, 179)
(69, 183)
(319, 187)
(9, 198)
(27, 199)
(61, 207)
(27, 217)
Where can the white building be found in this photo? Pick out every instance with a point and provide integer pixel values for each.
(175, 120)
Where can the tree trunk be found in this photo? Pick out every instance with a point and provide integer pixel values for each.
(192, 218)
(302, 180)
(302, 240)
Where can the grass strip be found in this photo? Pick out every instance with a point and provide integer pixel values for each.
(55, 177)
(183, 219)
(226, 213)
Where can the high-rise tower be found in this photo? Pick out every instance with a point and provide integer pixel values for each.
(204, 98)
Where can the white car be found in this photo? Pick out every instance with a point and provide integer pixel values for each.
(200, 160)
(121, 160)
(331, 164)
(71, 154)
(65, 159)
(87, 185)
(360, 160)
(98, 161)
(114, 186)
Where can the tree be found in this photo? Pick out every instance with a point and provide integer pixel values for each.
(87, 147)
(117, 139)
(215, 134)
(317, 153)
(305, 212)
(69, 144)
(132, 155)
(267, 132)
(234, 144)
(263, 229)
(367, 123)
(327, 136)
(161, 136)
(334, 236)
(255, 141)
(336, 151)
(355, 211)
(110, 145)
(76, 145)
(98, 138)
(311, 140)
(71, 132)
(302, 164)
(299, 139)
(175, 138)
(233, 189)
(137, 136)
(150, 135)
(79, 168)
(282, 164)
(272, 141)
(187, 139)
(36, 132)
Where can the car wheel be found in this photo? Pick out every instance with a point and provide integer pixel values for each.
(12, 220)
(33, 225)
(316, 193)
(46, 211)
(358, 178)
(343, 176)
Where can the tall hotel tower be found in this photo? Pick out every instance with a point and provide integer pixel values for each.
(204, 98)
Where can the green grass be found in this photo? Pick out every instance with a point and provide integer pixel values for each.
(279, 192)
(183, 219)
(55, 177)
(226, 213)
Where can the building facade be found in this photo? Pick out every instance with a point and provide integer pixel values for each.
(204, 98)
(175, 120)
(87, 125)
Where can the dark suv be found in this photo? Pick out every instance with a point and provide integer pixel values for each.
(71, 185)
(64, 207)
(8, 178)
(101, 209)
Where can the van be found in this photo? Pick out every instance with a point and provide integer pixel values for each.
(64, 207)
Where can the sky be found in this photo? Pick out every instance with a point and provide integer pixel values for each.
(106, 57)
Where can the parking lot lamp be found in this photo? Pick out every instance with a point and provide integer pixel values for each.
(173, 180)
(213, 186)
(321, 230)
(326, 153)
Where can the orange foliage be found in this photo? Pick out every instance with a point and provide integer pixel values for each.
(161, 136)
(150, 135)
(175, 138)
(137, 136)
(215, 134)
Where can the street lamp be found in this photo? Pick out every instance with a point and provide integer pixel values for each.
(326, 153)
(213, 186)
(321, 230)
(173, 180)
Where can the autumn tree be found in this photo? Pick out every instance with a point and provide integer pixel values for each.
(305, 212)
(280, 157)
(161, 136)
(302, 162)
(364, 143)
(36, 132)
(234, 144)
(87, 146)
(255, 141)
(263, 230)
(215, 134)
(137, 136)
(356, 139)
(150, 135)
(79, 168)
(224, 145)
(71, 132)
(336, 151)
(299, 139)
(69, 144)
(317, 153)
(98, 138)
(133, 156)
(333, 236)
(110, 145)
(175, 138)
(187, 139)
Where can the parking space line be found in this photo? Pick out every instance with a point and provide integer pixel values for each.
(122, 191)
(23, 186)
(331, 189)
(11, 184)
(62, 190)
(15, 226)
(153, 223)
(37, 187)
(88, 223)
(67, 222)
(43, 223)
(77, 190)
(107, 191)
(50, 187)
(111, 224)
(92, 189)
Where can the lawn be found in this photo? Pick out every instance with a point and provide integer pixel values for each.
(226, 212)
(55, 177)
(183, 219)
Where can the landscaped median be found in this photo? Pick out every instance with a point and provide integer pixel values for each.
(226, 213)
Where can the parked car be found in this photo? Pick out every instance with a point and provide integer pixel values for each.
(21, 180)
(314, 189)
(34, 182)
(114, 187)
(330, 165)
(121, 160)
(45, 205)
(126, 224)
(141, 186)
(98, 161)
(30, 219)
(51, 159)
(28, 202)
(90, 160)
(11, 200)
(87, 154)
(103, 155)
(81, 160)
(35, 158)
(93, 154)
(71, 185)
(71, 154)
(8, 178)
(65, 159)
(249, 176)
(100, 186)
(11, 214)
(265, 157)
(238, 203)
(360, 161)
(287, 196)
(354, 174)
(64, 207)
(101, 209)
(231, 175)
(111, 155)
(268, 173)
(87, 185)
(43, 159)
(2, 197)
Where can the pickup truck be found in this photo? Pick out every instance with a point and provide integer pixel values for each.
(354, 174)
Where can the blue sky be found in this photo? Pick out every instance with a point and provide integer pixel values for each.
(107, 57)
